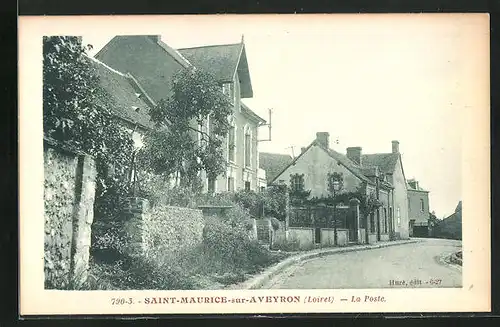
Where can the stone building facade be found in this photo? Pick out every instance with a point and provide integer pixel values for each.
(152, 64)
(418, 209)
(380, 174)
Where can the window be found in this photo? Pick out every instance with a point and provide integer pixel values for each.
(231, 143)
(262, 188)
(211, 185)
(248, 147)
(247, 186)
(422, 205)
(385, 221)
(399, 216)
(230, 184)
(297, 182)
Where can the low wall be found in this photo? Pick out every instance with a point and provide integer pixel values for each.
(328, 237)
(372, 238)
(362, 233)
(252, 232)
(264, 230)
(69, 191)
(304, 236)
(384, 237)
(174, 229)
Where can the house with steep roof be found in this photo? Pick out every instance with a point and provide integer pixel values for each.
(379, 174)
(153, 64)
(418, 209)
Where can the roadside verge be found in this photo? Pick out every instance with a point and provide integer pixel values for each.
(259, 280)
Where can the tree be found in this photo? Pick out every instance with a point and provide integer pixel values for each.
(173, 147)
(78, 112)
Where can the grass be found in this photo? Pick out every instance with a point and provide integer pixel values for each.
(194, 269)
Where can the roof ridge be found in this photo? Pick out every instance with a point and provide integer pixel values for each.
(209, 46)
(371, 154)
(181, 59)
(97, 61)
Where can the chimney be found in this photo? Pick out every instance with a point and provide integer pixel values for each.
(395, 146)
(354, 154)
(323, 139)
(302, 150)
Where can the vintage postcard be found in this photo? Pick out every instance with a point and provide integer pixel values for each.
(254, 164)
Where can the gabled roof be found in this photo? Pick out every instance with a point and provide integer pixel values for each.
(150, 61)
(340, 158)
(251, 114)
(385, 161)
(129, 103)
(223, 61)
(273, 163)
(344, 161)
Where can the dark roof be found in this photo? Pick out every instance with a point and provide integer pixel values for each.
(340, 158)
(222, 61)
(355, 169)
(149, 60)
(125, 97)
(459, 207)
(385, 161)
(249, 113)
(273, 164)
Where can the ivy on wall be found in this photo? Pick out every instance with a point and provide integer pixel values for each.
(78, 112)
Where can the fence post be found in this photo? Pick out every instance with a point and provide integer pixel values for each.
(136, 214)
(354, 203)
(83, 216)
(287, 213)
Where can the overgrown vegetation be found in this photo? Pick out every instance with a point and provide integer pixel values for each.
(191, 126)
(78, 112)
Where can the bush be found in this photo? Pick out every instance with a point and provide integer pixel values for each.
(108, 240)
(139, 273)
(230, 247)
(290, 246)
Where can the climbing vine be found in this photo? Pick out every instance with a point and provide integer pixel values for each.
(78, 112)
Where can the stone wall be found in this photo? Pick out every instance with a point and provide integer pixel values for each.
(328, 237)
(362, 233)
(264, 230)
(303, 236)
(174, 229)
(252, 232)
(69, 191)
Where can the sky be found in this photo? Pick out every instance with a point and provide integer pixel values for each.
(365, 81)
